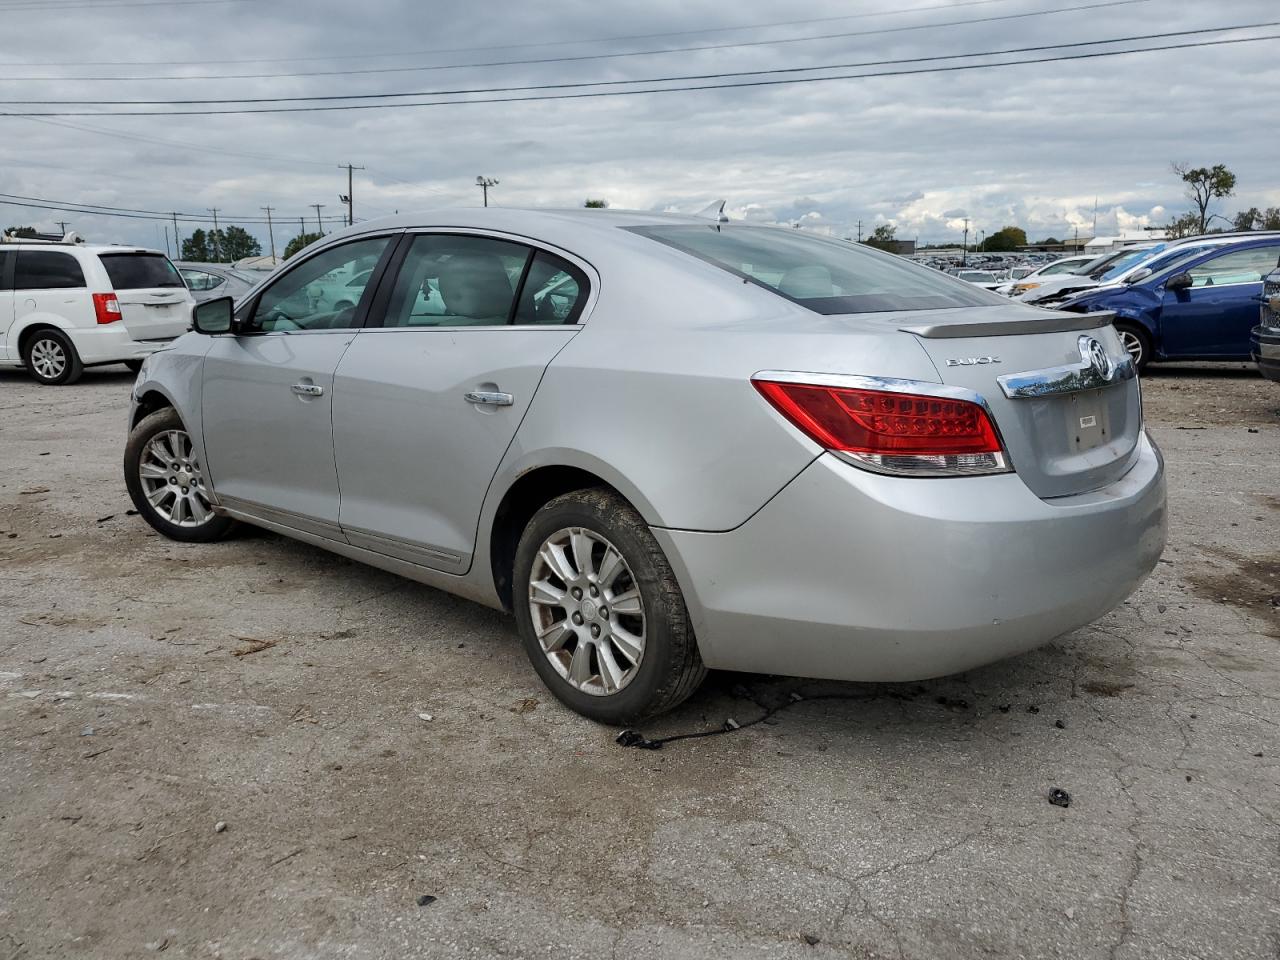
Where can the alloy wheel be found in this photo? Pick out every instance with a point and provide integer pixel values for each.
(587, 611)
(1132, 345)
(48, 359)
(172, 480)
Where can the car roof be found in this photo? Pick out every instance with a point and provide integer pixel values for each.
(94, 248)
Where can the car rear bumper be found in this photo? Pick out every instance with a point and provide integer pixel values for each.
(851, 575)
(1265, 349)
(111, 343)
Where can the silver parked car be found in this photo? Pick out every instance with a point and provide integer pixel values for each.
(668, 444)
(207, 281)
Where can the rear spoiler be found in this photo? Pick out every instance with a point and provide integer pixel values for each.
(1056, 322)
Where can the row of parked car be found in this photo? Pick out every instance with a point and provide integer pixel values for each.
(65, 306)
(1198, 298)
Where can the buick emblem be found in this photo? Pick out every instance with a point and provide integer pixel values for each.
(1094, 354)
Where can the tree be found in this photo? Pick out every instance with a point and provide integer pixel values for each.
(29, 233)
(300, 241)
(596, 204)
(1204, 185)
(1255, 219)
(196, 247)
(1187, 225)
(884, 237)
(235, 243)
(1005, 240)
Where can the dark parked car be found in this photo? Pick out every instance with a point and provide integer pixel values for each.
(1198, 309)
(1265, 342)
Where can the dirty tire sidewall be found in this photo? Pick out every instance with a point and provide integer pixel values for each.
(72, 369)
(158, 422)
(671, 668)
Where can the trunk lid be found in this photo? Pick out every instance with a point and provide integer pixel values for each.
(154, 301)
(1061, 388)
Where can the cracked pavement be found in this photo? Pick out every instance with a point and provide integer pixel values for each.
(149, 690)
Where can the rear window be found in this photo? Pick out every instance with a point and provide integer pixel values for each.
(47, 270)
(826, 276)
(140, 271)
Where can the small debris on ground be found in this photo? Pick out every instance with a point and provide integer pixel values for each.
(109, 516)
(731, 724)
(525, 705)
(220, 826)
(811, 940)
(954, 703)
(1033, 709)
(632, 738)
(426, 900)
(1004, 708)
(1060, 724)
(1059, 797)
(425, 716)
(87, 732)
(1070, 912)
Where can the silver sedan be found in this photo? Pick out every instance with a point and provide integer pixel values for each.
(667, 444)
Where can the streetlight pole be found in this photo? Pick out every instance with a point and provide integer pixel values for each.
(349, 199)
(964, 246)
(217, 253)
(271, 233)
(484, 183)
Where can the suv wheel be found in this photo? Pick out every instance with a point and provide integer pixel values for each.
(600, 613)
(51, 358)
(166, 481)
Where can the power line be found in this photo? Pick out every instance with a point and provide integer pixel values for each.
(666, 79)
(955, 68)
(46, 7)
(515, 46)
(131, 212)
(614, 56)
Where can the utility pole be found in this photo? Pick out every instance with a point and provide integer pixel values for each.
(217, 253)
(964, 247)
(166, 239)
(859, 231)
(177, 237)
(484, 183)
(348, 199)
(271, 233)
(319, 225)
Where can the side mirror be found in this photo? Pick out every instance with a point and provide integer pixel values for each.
(1137, 276)
(213, 316)
(1179, 281)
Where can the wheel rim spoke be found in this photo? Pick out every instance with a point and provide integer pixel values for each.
(588, 617)
(172, 482)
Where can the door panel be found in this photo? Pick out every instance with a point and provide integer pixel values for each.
(414, 455)
(1213, 318)
(268, 445)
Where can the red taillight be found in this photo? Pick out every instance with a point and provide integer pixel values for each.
(106, 307)
(892, 431)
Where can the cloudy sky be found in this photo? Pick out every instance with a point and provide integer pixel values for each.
(1032, 145)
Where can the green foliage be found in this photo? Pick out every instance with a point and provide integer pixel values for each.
(596, 204)
(300, 241)
(1255, 219)
(27, 232)
(1204, 185)
(1005, 240)
(1187, 225)
(884, 237)
(196, 248)
(220, 246)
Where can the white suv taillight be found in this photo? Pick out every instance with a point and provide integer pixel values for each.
(106, 307)
(884, 426)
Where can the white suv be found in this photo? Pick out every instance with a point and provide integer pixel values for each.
(66, 306)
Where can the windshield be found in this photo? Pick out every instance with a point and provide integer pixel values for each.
(824, 275)
(1129, 261)
(140, 271)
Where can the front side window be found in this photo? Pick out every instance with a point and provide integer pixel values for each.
(824, 275)
(47, 270)
(318, 295)
(140, 271)
(199, 280)
(457, 281)
(1242, 266)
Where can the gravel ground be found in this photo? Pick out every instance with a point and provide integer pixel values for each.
(150, 691)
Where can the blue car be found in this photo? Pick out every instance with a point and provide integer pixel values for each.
(1198, 307)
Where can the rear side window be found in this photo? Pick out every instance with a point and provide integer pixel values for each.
(199, 280)
(457, 281)
(554, 291)
(47, 270)
(824, 275)
(140, 271)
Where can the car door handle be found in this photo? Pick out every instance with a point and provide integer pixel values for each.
(490, 397)
(308, 389)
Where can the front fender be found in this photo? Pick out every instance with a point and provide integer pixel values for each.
(176, 375)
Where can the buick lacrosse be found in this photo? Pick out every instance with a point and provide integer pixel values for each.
(667, 444)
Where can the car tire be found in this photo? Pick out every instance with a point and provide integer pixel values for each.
(51, 358)
(161, 471)
(1137, 343)
(585, 652)
(133, 365)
